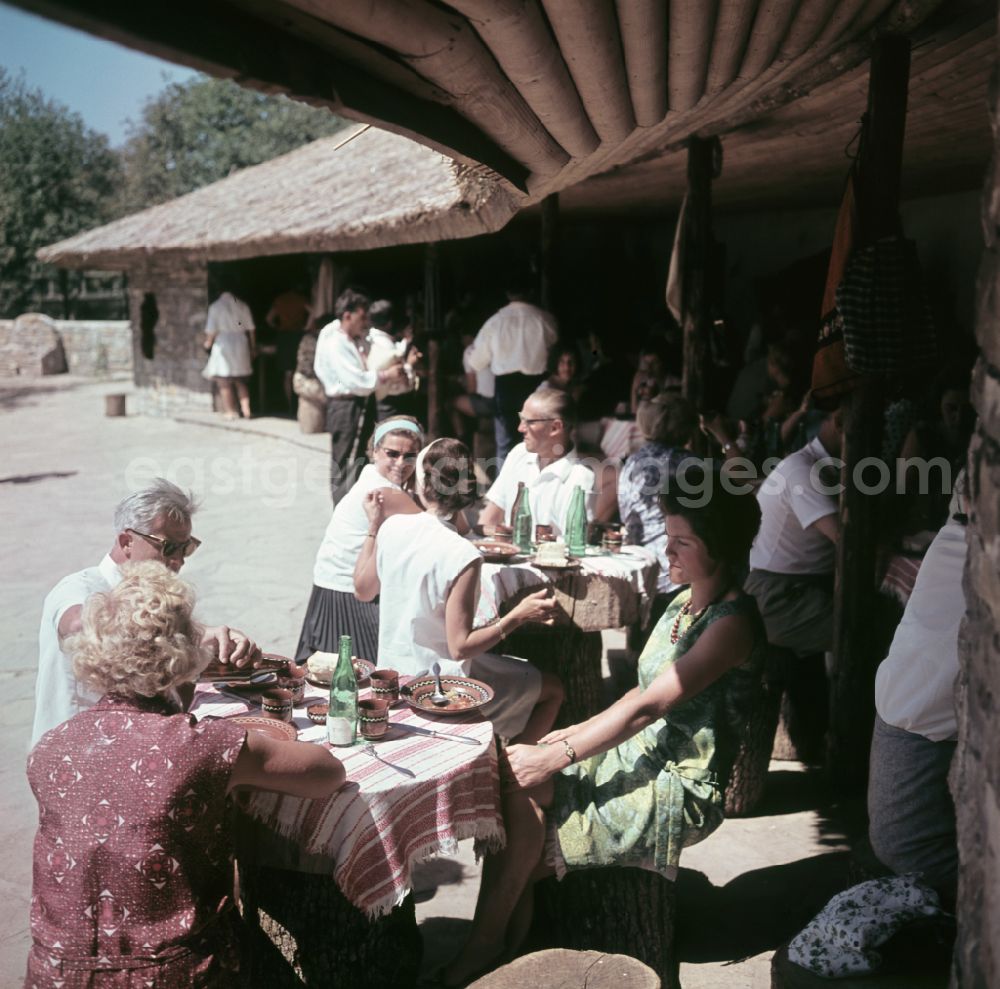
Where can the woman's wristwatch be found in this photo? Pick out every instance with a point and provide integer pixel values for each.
(570, 752)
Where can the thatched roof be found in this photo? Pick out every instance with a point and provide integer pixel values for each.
(355, 190)
(552, 93)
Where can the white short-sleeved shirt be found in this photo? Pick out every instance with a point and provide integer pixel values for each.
(58, 695)
(345, 534)
(791, 499)
(549, 490)
(229, 319)
(915, 684)
(485, 378)
(515, 340)
(418, 558)
(341, 364)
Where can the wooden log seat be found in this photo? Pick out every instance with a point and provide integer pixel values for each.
(623, 911)
(559, 968)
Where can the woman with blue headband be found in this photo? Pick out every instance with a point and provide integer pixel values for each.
(333, 609)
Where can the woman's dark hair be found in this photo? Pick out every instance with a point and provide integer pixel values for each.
(556, 353)
(724, 515)
(449, 478)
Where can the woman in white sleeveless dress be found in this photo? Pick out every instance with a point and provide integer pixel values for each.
(428, 578)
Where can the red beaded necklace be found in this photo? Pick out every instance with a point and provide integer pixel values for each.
(685, 611)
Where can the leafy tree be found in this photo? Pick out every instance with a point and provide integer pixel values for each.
(198, 131)
(56, 178)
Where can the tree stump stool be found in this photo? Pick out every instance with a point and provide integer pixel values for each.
(621, 911)
(300, 930)
(748, 774)
(561, 969)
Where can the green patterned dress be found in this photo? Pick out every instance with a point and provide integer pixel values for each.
(643, 801)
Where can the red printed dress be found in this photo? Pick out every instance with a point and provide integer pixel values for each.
(132, 863)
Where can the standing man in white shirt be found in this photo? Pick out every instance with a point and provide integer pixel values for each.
(152, 524)
(546, 462)
(514, 344)
(341, 364)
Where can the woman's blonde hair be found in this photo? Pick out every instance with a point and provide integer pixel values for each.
(667, 419)
(139, 638)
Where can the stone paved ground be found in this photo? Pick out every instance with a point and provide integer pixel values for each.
(264, 508)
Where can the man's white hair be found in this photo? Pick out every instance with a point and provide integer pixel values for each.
(161, 499)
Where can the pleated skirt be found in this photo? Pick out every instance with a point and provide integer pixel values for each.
(331, 614)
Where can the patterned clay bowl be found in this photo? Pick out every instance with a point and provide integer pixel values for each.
(281, 731)
(464, 695)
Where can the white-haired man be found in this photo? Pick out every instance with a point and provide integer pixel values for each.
(546, 462)
(151, 524)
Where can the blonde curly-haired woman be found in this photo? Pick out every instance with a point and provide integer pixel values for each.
(132, 860)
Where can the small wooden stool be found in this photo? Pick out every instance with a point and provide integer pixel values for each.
(561, 969)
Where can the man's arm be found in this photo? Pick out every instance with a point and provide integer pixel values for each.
(829, 525)
(71, 621)
(480, 353)
(491, 514)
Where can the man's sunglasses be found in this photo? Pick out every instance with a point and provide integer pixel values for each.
(407, 458)
(167, 547)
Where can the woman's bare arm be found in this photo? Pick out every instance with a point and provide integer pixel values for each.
(300, 769)
(725, 644)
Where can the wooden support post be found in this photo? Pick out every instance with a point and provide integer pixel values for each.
(696, 316)
(433, 321)
(855, 645)
(550, 244)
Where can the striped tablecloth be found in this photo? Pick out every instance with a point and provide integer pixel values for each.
(635, 566)
(382, 823)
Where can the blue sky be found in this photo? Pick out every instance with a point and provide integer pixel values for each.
(103, 82)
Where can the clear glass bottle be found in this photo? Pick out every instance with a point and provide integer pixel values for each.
(342, 713)
(521, 521)
(576, 523)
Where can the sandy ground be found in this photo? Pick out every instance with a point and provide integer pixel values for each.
(264, 505)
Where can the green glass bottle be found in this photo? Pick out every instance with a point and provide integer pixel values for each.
(342, 713)
(521, 520)
(576, 523)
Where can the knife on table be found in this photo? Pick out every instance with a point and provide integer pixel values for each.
(416, 730)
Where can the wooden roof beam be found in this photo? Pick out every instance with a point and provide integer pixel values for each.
(591, 44)
(810, 19)
(444, 49)
(732, 31)
(769, 29)
(643, 25)
(520, 40)
(233, 43)
(692, 24)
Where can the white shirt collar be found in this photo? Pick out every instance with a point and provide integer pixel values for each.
(110, 571)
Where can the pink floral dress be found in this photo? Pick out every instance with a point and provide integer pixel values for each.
(133, 862)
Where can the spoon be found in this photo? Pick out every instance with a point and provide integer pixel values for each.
(370, 749)
(438, 697)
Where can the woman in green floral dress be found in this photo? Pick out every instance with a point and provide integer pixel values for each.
(638, 782)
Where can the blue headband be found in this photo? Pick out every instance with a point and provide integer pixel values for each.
(391, 424)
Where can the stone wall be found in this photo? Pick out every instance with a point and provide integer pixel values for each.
(170, 379)
(975, 774)
(96, 347)
(35, 344)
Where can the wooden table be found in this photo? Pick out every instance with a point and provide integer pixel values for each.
(324, 884)
(605, 592)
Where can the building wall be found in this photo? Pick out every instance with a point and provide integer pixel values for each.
(171, 379)
(975, 773)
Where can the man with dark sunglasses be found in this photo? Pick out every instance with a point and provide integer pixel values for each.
(152, 524)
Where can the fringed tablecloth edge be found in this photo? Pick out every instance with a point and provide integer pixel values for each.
(491, 836)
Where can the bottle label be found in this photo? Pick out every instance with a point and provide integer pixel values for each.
(339, 731)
